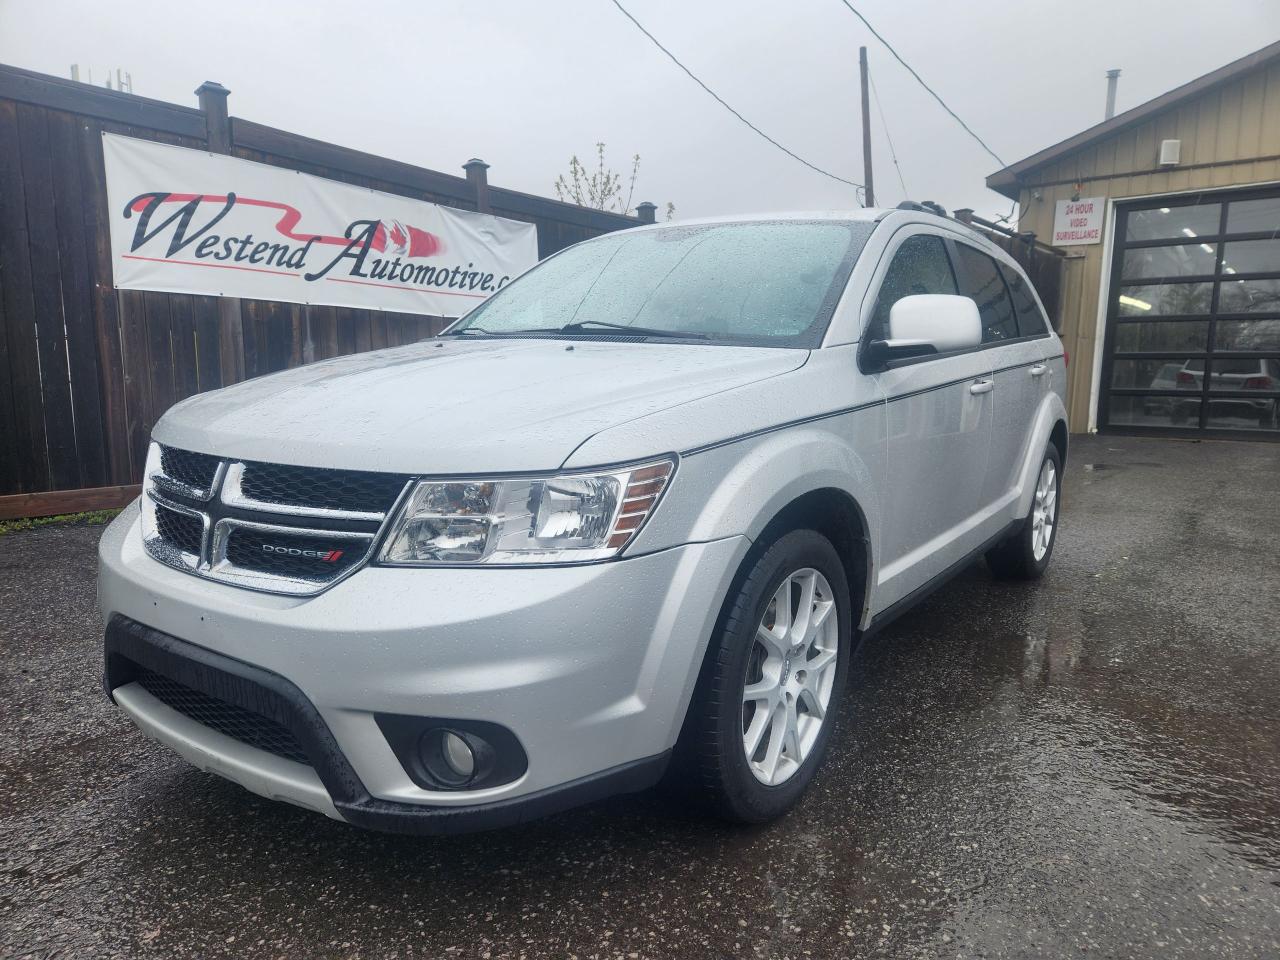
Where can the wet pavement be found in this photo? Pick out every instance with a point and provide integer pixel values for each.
(1087, 766)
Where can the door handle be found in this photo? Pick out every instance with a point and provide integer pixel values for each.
(1038, 370)
(982, 386)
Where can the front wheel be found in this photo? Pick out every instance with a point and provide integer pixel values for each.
(1026, 554)
(762, 713)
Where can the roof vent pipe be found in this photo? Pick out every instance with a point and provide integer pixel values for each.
(1113, 76)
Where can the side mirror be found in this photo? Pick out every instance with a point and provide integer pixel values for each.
(926, 323)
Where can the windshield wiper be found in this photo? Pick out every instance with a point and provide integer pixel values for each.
(500, 333)
(623, 329)
(603, 327)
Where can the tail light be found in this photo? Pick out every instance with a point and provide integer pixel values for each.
(1184, 377)
(1259, 383)
(1066, 357)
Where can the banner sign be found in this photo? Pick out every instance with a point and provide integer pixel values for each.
(1078, 221)
(186, 221)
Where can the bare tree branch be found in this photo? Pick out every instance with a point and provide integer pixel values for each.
(602, 188)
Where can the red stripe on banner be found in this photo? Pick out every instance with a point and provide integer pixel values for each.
(396, 286)
(285, 273)
(290, 218)
(219, 266)
(420, 243)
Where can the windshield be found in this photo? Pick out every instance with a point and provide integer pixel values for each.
(772, 283)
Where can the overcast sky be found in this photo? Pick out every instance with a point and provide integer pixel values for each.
(524, 85)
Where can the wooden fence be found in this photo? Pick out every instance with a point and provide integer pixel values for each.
(85, 369)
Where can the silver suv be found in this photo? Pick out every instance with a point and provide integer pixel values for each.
(627, 518)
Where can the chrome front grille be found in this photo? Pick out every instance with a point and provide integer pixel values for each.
(196, 473)
(271, 527)
(342, 491)
(181, 531)
(288, 552)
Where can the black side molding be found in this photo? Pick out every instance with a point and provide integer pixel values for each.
(922, 592)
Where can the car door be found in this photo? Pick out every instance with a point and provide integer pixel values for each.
(1018, 374)
(938, 429)
(1028, 372)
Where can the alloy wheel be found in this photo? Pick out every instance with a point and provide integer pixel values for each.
(1044, 511)
(790, 675)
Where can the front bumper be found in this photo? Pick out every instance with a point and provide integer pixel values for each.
(591, 667)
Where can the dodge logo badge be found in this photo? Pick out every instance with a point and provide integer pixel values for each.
(328, 556)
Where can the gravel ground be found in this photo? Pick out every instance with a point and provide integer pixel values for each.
(1085, 766)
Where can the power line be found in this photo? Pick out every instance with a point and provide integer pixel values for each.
(932, 93)
(720, 100)
(893, 154)
(1008, 217)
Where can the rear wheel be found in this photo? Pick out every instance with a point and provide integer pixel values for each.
(761, 716)
(1026, 554)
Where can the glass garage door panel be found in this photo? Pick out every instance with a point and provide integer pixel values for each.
(1193, 323)
(1155, 412)
(1163, 336)
(1254, 216)
(1179, 260)
(1165, 299)
(1243, 375)
(1255, 415)
(1173, 223)
(1158, 374)
(1251, 256)
(1260, 295)
(1249, 335)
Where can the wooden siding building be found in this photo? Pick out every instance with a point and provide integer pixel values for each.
(1172, 319)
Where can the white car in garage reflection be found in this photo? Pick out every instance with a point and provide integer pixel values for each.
(1237, 376)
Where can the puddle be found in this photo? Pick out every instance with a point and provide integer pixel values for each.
(1098, 467)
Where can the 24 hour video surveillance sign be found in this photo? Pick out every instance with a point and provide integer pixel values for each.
(1078, 221)
(186, 221)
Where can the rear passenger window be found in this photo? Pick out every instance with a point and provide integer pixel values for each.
(1031, 321)
(920, 265)
(983, 283)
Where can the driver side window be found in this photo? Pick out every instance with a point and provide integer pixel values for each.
(920, 265)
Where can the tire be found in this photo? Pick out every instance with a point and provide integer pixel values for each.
(712, 748)
(1020, 556)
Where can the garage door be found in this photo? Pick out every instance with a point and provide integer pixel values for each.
(1193, 322)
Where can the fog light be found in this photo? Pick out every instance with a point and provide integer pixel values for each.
(452, 759)
(458, 755)
(443, 754)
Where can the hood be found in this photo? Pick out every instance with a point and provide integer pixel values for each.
(460, 406)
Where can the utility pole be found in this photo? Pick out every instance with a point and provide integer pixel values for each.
(866, 129)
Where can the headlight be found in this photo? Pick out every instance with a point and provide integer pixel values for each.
(570, 518)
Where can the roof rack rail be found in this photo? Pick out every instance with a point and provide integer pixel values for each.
(965, 217)
(924, 206)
